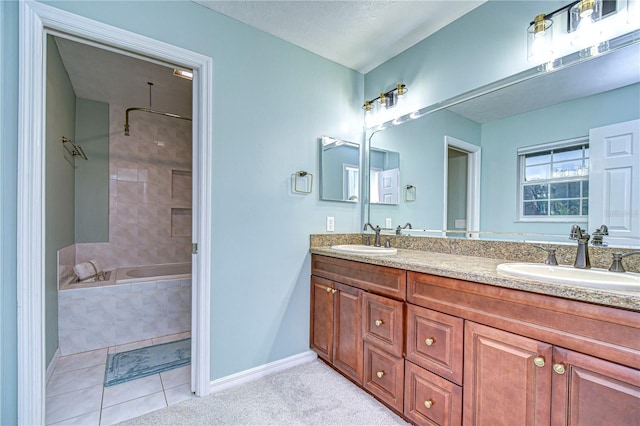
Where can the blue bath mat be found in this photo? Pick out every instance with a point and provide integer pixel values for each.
(131, 365)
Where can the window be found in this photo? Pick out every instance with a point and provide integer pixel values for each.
(554, 181)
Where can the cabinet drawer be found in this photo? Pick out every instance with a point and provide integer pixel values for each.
(383, 323)
(430, 399)
(384, 375)
(435, 341)
(378, 279)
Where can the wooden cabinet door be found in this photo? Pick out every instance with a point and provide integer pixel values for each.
(503, 385)
(321, 332)
(589, 391)
(347, 330)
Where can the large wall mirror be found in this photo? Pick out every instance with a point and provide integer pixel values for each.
(505, 135)
(339, 170)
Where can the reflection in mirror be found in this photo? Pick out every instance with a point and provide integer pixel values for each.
(384, 176)
(339, 170)
(543, 114)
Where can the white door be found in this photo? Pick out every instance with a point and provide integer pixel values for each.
(614, 181)
(389, 186)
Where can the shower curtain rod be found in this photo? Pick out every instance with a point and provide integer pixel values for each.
(168, 114)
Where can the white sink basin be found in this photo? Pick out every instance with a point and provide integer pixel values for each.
(366, 250)
(595, 278)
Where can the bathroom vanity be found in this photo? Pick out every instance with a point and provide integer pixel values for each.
(447, 340)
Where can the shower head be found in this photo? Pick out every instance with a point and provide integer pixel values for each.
(126, 129)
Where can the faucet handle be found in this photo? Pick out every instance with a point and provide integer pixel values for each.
(616, 265)
(551, 255)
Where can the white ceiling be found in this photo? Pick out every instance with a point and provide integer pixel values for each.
(357, 34)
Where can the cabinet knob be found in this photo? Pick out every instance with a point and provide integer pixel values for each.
(559, 368)
(333, 291)
(539, 361)
(379, 323)
(328, 289)
(380, 374)
(430, 341)
(428, 403)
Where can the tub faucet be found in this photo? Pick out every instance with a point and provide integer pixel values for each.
(376, 230)
(582, 255)
(400, 228)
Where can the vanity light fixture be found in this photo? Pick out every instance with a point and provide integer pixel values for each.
(388, 99)
(539, 39)
(581, 18)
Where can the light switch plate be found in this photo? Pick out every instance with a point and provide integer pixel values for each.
(331, 222)
(387, 222)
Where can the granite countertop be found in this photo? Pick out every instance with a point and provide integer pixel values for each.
(483, 270)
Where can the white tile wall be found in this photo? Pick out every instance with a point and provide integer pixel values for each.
(142, 168)
(92, 318)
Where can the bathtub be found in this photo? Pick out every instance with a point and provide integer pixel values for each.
(169, 271)
(136, 303)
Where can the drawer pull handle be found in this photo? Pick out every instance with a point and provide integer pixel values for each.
(328, 289)
(430, 341)
(539, 361)
(333, 291)
(380, 374)
(558, 368)
(379, 323)
(428, 403)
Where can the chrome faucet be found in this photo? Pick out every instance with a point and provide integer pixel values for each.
(582, 255)
(376, 230)
(598, 234)
(616, 265)
(400, 228)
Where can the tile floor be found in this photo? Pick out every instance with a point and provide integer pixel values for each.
(76, 394)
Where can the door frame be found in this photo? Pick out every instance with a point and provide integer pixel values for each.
(37, 20)
(473, 183)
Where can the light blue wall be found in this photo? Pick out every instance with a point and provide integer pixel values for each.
(501, 139)
(92, 176)
(59, 184)
(8, 215)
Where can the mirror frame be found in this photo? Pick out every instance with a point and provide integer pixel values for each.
(558, 64)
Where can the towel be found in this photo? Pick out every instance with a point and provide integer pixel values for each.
(89, 270)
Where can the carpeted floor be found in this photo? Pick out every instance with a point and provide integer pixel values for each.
(309, 394)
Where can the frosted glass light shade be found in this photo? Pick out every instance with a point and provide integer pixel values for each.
(583, 17)
(540, 40)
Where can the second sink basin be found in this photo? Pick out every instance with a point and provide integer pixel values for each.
(594, 278)
(365, 250)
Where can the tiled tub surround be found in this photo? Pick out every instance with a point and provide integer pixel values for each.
(97, 317)
(478, 262)
(149, 193)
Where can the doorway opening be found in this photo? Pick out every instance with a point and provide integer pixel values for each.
(461, 206)
(40, 20)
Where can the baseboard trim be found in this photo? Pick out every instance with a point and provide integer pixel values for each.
(52, 365)
(255, 373)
